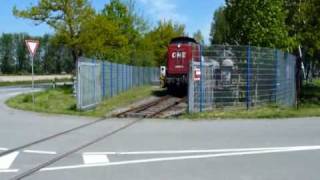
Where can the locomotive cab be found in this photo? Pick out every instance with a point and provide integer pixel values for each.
(181, 52)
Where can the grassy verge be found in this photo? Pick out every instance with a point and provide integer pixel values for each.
(309, 107)
(29, 82)
(61, 101)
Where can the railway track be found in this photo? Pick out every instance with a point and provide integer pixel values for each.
(71, 150)
(157, 108)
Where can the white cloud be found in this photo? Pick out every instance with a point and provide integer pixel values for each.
(163, 10)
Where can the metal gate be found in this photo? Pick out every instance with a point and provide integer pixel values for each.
(89, 84)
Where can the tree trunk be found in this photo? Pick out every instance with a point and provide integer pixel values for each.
(74, 60)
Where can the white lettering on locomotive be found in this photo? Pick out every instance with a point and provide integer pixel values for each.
(179, 55)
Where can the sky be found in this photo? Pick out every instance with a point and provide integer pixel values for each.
(195, 14)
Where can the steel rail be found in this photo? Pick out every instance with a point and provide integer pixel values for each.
(48, 138)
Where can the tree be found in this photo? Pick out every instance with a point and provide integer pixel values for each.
(198, 37)
(160, 37)
(66, 17)
(303, 23)
(101, 38)
(220, 29)
(21, 53)
(256, 22)
(7, 61)
(130, 26)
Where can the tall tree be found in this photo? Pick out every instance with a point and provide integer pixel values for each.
(198, 37)
(129, 25)
(21, 53)
(304, 23)
(161, 35)
(220, 29)
(104, 40)
(258, 22)
(7, 61)
(64, 16)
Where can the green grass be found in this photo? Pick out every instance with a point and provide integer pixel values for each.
(308, 107)
(61, 101)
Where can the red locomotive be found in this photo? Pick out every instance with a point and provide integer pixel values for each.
(181, 51)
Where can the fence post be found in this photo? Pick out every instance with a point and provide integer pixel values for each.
(248, 99)
(103, 79)
(288, 80)
(111, 85)
(126, 77)
(191, 89)
(201, 80)
(276, 56)
(122, 77)
(78, 91)
(117, 81)
(143, 68)
(94, 79)
(130, 76)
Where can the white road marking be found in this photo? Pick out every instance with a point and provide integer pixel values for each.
(95, 159)
(8, 170)
(190, 151)
(205, 156)
(7, 160)
(3, 149)
(39, 152)
(14, 94)
(32, 151)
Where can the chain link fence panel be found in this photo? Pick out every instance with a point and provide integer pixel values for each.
(241, 77)
(99, 80)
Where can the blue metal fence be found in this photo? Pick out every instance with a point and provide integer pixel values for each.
(241, 77)
(98, 80)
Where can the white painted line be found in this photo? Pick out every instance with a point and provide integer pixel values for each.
(95, 159)
(4, 149)
(39, 152)
(7, 160)
(191, 151)
(8, 170)
(14, 94)
(205, 156)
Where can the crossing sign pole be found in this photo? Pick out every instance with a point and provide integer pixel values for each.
(32, 47)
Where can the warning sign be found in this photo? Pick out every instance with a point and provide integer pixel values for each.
(197, 74)
(32, 46)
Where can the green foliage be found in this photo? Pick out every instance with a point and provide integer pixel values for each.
(101, 38)
(160, 37)
(256, 22)
(49, 59)
(220, 30)
(21, 53)
(64, 16)
(198, 37)
(6, 58)
(116, 33)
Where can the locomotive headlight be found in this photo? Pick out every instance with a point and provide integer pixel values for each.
(179, 45)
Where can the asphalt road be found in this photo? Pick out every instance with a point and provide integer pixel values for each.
(161, 149)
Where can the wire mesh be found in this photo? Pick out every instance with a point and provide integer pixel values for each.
(241, 77)
(98, 80)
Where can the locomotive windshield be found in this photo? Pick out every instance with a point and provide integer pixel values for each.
(183, 40)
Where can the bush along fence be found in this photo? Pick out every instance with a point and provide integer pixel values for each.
(229, 77)
(98, 80)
